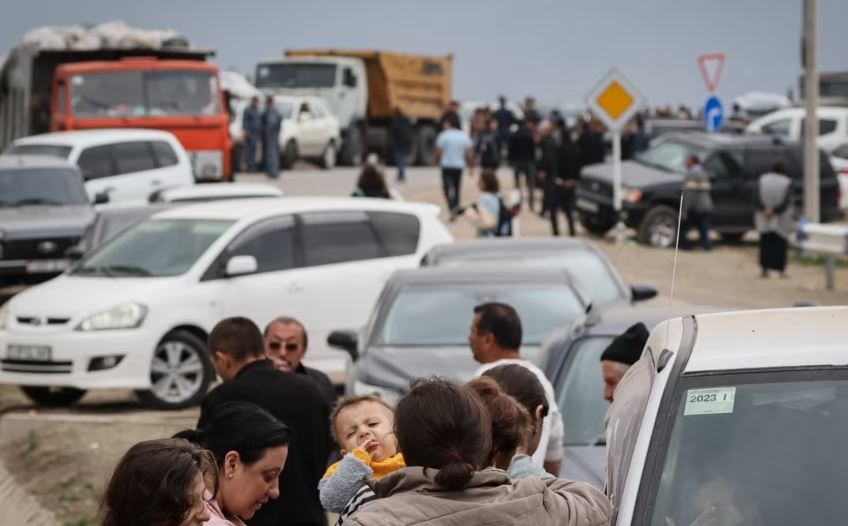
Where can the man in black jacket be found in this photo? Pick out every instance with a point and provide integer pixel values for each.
(521, 152)
(564, 186)
(402, 134)
(238, 352)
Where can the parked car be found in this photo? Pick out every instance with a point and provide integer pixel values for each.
(652, 184)
(571, 358)
(657, 127)
(839, 161)
(118, 165)
(419, 325)
(214, 192)
(788, 124)
(588, 265)
(43, 212)
(734, 418)
(135, 313)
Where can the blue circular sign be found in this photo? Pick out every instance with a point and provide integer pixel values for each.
(713, 114)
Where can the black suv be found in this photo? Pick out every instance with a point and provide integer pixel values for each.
(652, 184)
(44, 211)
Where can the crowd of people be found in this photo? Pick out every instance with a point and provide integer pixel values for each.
(275, 446)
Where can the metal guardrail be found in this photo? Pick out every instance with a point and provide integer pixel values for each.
(829, 240)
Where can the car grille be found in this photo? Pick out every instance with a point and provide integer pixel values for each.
(37, 321)
(45, 248)
(590, 187)
(26, 366)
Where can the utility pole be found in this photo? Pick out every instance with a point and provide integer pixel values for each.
(811, 123)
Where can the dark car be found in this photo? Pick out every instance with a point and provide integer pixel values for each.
(589, 266)
(44, 211)
(571, 359)
(656, 128)
(653, 181)
(420, 323)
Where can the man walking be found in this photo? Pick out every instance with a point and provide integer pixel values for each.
(453, 150)
(251, 123)
(285, 344)
(521, 152)
(697, 203)
(564, 184)
(272, 121)
(402, 133)
(495, 339)
(505, 120)
(237, 351)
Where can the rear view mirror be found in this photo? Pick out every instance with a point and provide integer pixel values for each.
(346, 341)
(241, 265)
(642, 292)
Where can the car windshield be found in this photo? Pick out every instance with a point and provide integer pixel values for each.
(50, 150)
(284, 108)
(437, 314)
(747, 449)
(296, 75)
(41, 186)
(154, 248)
(145, 94)
(589, 270)
(580, 392)
(670, 155)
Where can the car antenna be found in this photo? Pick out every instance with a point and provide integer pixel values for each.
(666, 353)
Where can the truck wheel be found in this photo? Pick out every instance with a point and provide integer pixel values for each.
(180, 372)
(290, 155)
(595, 225)
(53, 396)
(328, 158)
(426, 146)
(659, 227)
(351, 154)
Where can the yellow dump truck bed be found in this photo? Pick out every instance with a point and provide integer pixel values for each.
(420, 85)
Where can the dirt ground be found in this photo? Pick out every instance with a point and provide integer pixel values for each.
(66, 462)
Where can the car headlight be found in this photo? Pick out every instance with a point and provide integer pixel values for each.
(127, 316)
(632, 195)
(4, 315)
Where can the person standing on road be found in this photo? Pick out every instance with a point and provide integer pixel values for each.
(453, 150)
(452, 112)
(773, 218)
(486, 146)
(564, 184)
(286, 343)
(402, 134)
(495, 339)
(371, 183)
(238, 352)
(620, 354)
(521, 152)
(548, 164)
(697, 203)
(505, 120)
(531, 114)
(251, 123)
(272, 122)
(591, 142)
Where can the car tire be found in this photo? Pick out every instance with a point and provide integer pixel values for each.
(594, 224)
(180, 372)
(659, 227)
(329, 157)
(426, 139)
(732, 238)
(290, 155)
(351, 153)
(53, 396)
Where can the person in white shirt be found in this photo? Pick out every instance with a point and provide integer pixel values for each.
(495, 339)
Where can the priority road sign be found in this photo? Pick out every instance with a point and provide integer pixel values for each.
(713, 114)
(614, 100)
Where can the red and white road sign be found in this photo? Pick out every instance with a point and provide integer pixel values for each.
(711, 65)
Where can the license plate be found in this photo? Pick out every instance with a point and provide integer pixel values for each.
(29, 353)
(589, 206)
(47, 265)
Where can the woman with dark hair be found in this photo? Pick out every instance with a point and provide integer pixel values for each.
(159, 482)
(371, 183)
(510, 422)
(445, 434)
(250, 448)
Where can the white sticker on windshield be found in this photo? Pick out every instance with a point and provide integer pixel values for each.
(713, 401)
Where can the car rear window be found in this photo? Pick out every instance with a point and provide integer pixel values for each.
(398, 232)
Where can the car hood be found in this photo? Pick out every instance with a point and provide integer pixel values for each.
(27, 222)
(394, 367)
(72, 296)
(633, 174)
(584, 463)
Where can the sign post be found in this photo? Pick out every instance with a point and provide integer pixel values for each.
(615, 101)
(711, 66)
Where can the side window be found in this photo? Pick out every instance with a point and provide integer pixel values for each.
(758, 162)
(133, 157)
(825, 126)
(398, 232)
(96, 162)
(723, 165)
(305, 112)
(271, 242)
(337, 237)
(164, 154)
(779, 128)
(841, 152)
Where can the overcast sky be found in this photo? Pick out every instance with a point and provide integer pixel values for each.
(554, 49)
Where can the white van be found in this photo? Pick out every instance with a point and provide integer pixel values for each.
(788, 124)
(118, 165)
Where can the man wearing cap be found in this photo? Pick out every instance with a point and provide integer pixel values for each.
(623, 352)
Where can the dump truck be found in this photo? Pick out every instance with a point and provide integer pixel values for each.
(362, 89)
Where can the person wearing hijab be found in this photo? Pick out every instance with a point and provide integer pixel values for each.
(773, 218)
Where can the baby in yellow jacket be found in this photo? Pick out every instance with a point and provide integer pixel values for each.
(363, 427)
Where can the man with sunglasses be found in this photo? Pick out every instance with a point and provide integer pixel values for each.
(285, 345)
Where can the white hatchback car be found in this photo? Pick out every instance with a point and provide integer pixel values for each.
(118, 165)
(734, 419)
(788, 123)
(135, 313)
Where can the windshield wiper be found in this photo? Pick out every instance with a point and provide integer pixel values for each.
(113, 270)
(36, 201)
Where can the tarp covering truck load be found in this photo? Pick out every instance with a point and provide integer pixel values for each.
(113, 76)
(363, 88)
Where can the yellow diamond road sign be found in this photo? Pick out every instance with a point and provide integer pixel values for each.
(614, 100)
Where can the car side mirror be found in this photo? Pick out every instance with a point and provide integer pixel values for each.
(346, 341)
(241, 265)
(642, 292)
(74, 252)
(101, 198)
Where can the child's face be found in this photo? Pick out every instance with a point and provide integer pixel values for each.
(368, 426)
